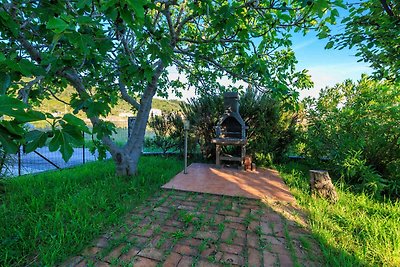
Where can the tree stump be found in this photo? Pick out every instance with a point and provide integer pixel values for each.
(321, 184)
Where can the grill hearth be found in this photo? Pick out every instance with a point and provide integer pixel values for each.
(230, 130)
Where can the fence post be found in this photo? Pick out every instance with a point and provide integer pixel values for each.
(83, 148)
(186, 125)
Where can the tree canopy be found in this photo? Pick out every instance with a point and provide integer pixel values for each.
(115, 49)
(373, 28)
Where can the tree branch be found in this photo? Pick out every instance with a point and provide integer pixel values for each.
(126, 96)
(387, 8)
(172, 32)
(73, 77)
(56, 97)
(23, 93)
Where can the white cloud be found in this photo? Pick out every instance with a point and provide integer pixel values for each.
(304, 44)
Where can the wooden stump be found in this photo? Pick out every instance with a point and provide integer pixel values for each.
(321, 184)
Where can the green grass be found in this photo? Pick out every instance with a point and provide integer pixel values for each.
(356, 231)
(47, 217)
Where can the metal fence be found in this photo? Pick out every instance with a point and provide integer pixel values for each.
(42, 159)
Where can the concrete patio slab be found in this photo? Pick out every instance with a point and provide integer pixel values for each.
(206, 178)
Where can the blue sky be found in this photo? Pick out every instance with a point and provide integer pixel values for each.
(326, 66)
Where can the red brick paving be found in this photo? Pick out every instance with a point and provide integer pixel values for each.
(206, 178)
(115, 253)
(207, 230)
(172, 259)
(254, 257)
(128, 256)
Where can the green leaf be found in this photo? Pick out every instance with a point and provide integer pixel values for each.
(5, 82)
(9, 104)
(77, 122)
(73, 135)
(323, 35)
(329, 45)
(15, 108)
(7, 143)
(56, 141)
(62, 141)
(28, 116)
(25, 67)
(81, 41)
(83, 3)
(85, 20)
(13, 128)
(57, 25)
(34, 140)
(335, 13)
(66, 149)
(9, 23)
(138, 8)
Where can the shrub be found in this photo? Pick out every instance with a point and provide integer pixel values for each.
(168, 131)
(356, 126)
(272, 124)
(271, 127)
(203, 114)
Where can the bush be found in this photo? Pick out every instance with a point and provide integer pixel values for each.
(203, 114)
(272, 124)
(356, 126)
(168, 132)
(271, 127)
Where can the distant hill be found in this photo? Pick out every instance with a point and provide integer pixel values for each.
(55, 106)
(166, 105)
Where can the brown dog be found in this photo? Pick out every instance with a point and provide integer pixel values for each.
(247, 163)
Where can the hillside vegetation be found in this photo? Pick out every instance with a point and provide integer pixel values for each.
(55, 106)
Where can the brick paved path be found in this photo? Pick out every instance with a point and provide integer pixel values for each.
(178, 228)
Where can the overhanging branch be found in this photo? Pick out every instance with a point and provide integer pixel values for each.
(126, 96)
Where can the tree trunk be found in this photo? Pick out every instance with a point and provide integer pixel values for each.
(321, 184)
(133, 148)
(124, 164)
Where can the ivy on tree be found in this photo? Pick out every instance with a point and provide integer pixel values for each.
(112, 49)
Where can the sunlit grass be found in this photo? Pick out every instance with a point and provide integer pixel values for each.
(47, 217)
(356, 231)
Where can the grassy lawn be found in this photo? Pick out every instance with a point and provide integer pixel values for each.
(45, 218)
(357, 231)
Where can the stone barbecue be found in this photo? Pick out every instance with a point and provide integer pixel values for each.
(230, 130)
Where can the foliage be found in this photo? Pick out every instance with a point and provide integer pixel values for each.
(54, 106)
(271, 128)
(203, 114)
(66, 131)
(46, 218)
(264, 160)
(357, 231)
(271, 122)
(356, 126)
(168, 131)
(373, 27)
(108, 50)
